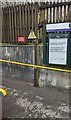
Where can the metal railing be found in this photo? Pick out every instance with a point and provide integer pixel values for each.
(35, 66)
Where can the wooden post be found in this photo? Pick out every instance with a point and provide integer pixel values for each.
(36, 81)
(33, 37)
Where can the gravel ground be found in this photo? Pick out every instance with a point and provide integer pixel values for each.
(27, 104)
(23, 100)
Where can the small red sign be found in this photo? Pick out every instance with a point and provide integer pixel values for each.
(21, 39)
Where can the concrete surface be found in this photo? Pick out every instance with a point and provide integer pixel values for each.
(23, 100)
(46, 77)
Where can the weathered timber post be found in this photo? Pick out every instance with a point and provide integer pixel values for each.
(36, 81)
(33, 37)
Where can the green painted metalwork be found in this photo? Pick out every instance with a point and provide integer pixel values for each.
(69, 51)
(56, 35)
(44, 45)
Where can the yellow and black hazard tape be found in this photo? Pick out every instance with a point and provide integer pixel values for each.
(35, 66)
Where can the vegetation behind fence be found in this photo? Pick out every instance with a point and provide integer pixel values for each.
(19, 19)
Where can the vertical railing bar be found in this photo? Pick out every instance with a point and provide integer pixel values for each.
(68, 13)
(28, 17)
(50, 12)
(36, 24)
(12, 25)
(7, 25)
(57, 10)
(53, 13)
(20, 30)
(27, 20)
(10, 22)
(15, 20)
(3, 26)
(18, 21)
(65, 12)
(32, 16)
(60, 13)
(23, 19)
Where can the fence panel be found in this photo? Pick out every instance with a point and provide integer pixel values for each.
(19, 19)
(54, 12)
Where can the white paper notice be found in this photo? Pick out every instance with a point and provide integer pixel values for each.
(58, 51)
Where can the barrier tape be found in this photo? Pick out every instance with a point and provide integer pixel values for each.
(35, 66)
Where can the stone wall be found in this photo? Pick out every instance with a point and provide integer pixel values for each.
(25, 54)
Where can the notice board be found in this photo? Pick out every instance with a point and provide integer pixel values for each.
(58, 51)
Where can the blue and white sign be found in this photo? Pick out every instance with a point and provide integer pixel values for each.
(58, 27)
